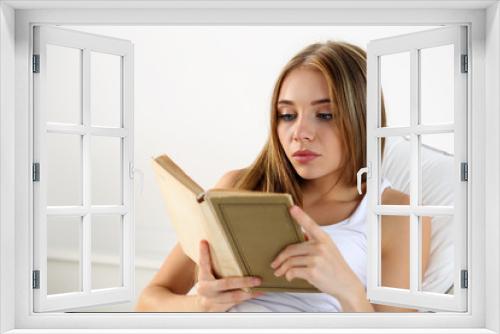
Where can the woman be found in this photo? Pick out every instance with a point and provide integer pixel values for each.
(316, 146)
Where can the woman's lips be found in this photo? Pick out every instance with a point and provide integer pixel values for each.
(303, 159)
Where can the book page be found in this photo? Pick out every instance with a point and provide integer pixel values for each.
(184, 212)
(171, 167)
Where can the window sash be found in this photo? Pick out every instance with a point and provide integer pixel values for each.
(412, 43)
(86, 296)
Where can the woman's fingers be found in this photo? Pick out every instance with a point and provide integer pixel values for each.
(205, 272)
(212, 288)
(236, 296)
(299, 272)
(228, 299)
(303, 248)
(295, 261)
(221, 294)
(311, 228)
(231, 283)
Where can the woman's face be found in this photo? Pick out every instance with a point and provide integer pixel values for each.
(306, 127)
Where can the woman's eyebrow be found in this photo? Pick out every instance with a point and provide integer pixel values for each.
(313, 103)
(287, 102)
(320, 101)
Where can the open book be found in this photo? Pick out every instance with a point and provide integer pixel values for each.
(245, 230)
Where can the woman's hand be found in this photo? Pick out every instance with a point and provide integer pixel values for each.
(317, 260)
(219, 295)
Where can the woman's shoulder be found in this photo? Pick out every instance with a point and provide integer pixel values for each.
(394, 197)
(229, 179)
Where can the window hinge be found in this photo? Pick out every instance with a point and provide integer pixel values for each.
(36, 172)
(464, 171)
(465, 279)
(36, 279)
(36, 63)
(465, 64)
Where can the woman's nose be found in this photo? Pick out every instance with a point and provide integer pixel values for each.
(304, 130)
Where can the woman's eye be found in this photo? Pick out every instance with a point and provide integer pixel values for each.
(286, 117)
(325, 116)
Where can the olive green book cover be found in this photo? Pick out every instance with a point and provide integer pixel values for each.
(245, 229)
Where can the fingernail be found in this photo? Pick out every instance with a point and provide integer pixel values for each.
(272, 265)
(256, 281)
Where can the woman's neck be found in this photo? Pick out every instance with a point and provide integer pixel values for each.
(327, 190)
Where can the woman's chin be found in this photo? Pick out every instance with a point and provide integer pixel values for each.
(307, 174)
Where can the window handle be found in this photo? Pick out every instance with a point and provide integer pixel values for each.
(363, 170)
(133, 171)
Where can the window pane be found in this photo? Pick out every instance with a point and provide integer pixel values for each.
(64, 84)
(106, 170)
(106, 251)
(395, 84)
(442, 142)
(438, 166)
(63, 254)
(438, 277)
(64, 169)
(106, 89)
(436, 85)
(396, 164)
(388, 275)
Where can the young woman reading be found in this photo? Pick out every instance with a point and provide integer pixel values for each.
(316, 145)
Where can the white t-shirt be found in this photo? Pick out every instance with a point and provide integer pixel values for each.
(350, 237)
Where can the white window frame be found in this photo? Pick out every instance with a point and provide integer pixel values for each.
(16, 19)
(411, 44)
(87, 43)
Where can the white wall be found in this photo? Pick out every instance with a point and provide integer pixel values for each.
(492, 150)
(202, 95)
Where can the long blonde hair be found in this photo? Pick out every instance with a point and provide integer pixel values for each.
(344, 67)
